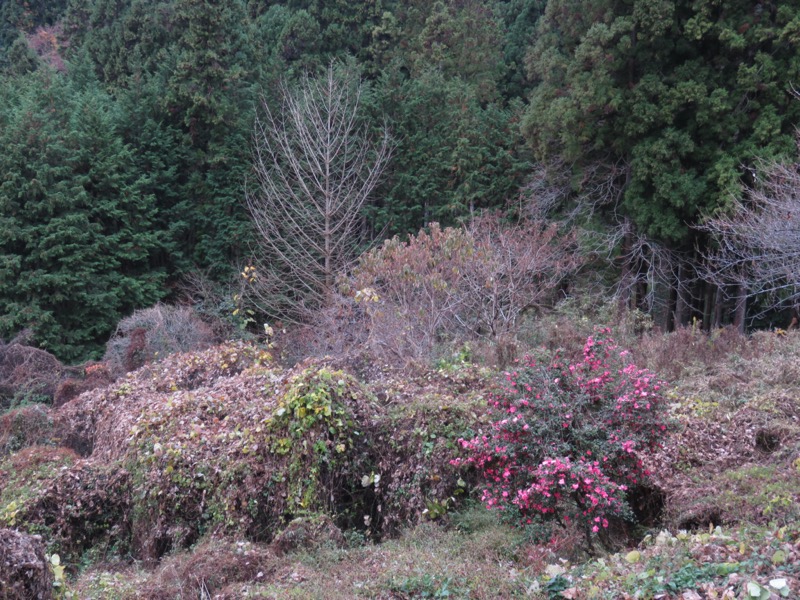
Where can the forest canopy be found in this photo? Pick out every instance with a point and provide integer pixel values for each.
(126, 128)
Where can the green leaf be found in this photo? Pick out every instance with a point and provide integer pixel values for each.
(754, 590)
(633, 556)
(781, 585)
(779, 557)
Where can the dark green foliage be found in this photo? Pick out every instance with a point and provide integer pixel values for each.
(210, 97)
(20, 58)
(185, 71)
(519, 18)
(461, 40)
(290, 38)
(148, 130)
(345, 27)
(162, 157)
(454, 156)
(125, 40)
(682, 94)
(75, 236)
(24, 16)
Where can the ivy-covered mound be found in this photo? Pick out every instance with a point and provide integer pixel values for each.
(224, 440)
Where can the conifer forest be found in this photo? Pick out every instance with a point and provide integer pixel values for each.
(130, 132)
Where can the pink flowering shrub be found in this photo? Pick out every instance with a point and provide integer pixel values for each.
(567, 440)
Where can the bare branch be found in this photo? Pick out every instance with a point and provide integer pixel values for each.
(758, 240)
(314, 167)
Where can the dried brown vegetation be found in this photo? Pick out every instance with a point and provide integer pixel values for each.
(24, 570)
(445, 287)
(25, 426)
(27, 372)
(154, 333)
(230, 476)
(225, 441)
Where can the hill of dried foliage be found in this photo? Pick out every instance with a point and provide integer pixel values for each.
(225, 441)
(216, 472)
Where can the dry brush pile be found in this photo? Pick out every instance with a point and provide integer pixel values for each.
(223, 441)
(736, 456)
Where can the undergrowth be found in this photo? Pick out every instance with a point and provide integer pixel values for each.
(194, 468)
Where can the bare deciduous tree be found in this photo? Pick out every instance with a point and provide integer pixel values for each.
(649, 270)
(758, 241)
(315, 166)
(515, 269)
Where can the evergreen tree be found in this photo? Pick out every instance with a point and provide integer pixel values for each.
(75, 229)
(519, 19)
(454, 155)
(24, 16)
(681, 95)
(463, 40)
(185, 71)
(210, 96)
(161, 160)
(125, 40)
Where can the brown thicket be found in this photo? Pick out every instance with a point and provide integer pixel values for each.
(95, 375)
(758, 240)
(461, 285)
(27, 372)
(155, 332)
(24, 570)
(25, 426)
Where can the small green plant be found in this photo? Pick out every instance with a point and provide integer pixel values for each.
(436, 509)
(28, 397)
(8, 513)
(462, 356)
(556, 585)
(429, 586)
(60, 591)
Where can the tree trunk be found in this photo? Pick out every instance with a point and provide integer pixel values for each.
(718, 300)
(708, 306)
(741, 308)
(681, 307)
(625, 284)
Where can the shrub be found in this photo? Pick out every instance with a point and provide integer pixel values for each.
(25, 426)
(246, 451)
(24, 571)
(567, 440)
(27, 374)
(451, 285)
(156, 332)
(95, 375)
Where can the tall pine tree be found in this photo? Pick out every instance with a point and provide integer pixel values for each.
(210, 95)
